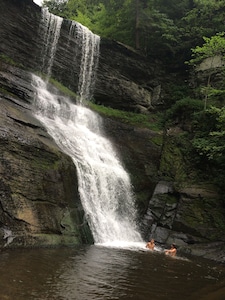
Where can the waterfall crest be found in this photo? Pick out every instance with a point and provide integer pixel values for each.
(49, 30)
(89, 62)
(104, 185)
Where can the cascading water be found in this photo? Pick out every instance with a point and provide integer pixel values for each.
(89, 61)
(104, 185)
(50, 27)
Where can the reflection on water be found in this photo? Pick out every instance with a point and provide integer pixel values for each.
(96, 272)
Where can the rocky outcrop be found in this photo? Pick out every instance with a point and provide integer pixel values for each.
(19, 24)
(25, 219)
(174, 204)
(209, 75)
(39, 199)
(184, 209)
(140, 152)
(39, 203)
(119, 86)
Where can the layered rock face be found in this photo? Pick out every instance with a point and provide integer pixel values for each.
(39, 198)
(127, 80)
(117, 84)
(19, 25)
(40, 203)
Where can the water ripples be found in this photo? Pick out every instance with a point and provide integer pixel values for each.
(103, 273)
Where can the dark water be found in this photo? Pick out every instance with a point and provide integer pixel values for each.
(94, 272)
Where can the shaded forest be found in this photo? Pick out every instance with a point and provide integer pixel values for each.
(159, 28)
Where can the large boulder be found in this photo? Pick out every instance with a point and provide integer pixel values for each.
(185, 209)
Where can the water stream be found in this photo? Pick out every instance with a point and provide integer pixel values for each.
(49, 31)
(89, 62)
(104, 185)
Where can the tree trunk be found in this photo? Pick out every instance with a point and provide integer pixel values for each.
(137, 25)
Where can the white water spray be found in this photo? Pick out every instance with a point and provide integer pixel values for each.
(104, 185)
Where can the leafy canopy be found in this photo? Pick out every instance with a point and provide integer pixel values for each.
(213, 46)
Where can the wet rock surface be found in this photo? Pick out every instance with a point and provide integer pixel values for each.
(39, 200)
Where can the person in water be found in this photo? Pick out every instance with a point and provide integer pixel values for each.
(151, 244)
(172, 251)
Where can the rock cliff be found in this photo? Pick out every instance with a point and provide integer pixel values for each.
(40, 205)
(119, 86)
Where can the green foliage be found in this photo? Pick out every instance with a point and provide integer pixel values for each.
(175, 9)
(112, 23)
(206, 121)
(204, 19)
(57, 7)
(9, 60)
(175, 92)
(173, 162)
(211, 149)
(122, 20)
(184, 110)
(153, 122)
(213, 46)
(155, 27)
(160, 31)
(206, 149)
(62, 88)
(210, 142)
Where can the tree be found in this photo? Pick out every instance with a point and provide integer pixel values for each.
(209, 142)
(158, 28)
(204, 18)
(136, 23)
(56, 7)
(212, 48)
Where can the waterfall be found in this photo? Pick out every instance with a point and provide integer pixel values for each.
(49, 31)
(89, 61)
(104, 186)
